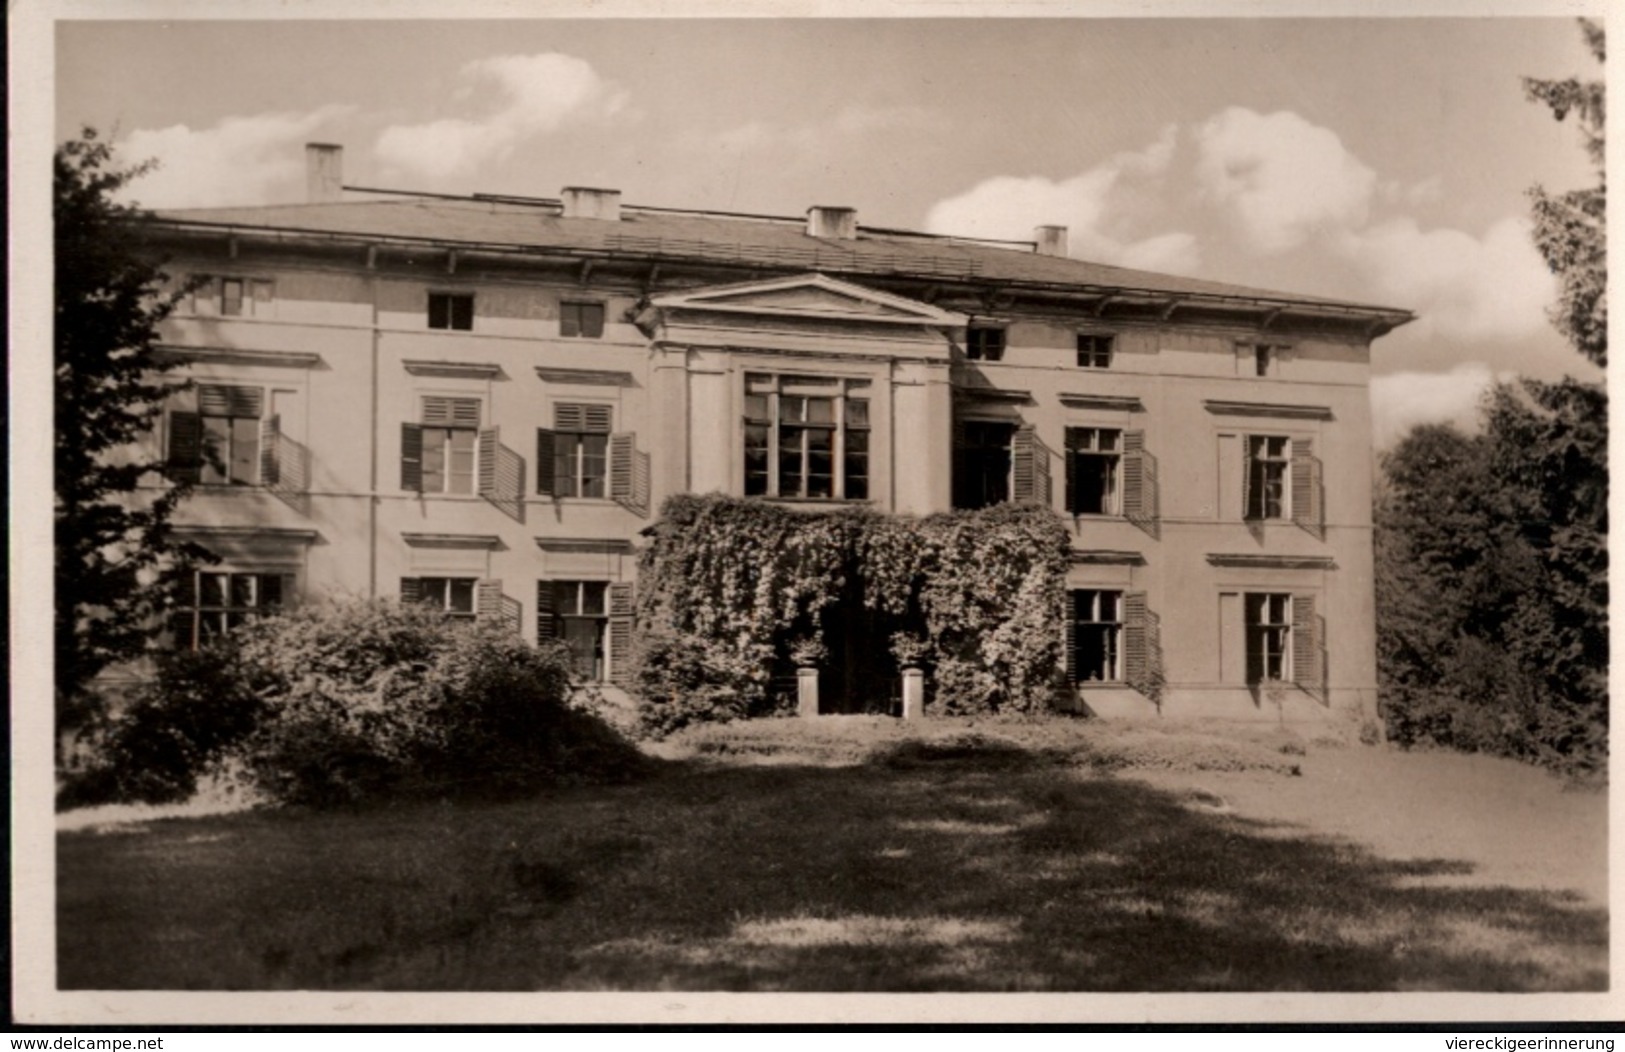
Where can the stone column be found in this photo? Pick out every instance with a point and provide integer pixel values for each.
(913, 694)
(806, 692)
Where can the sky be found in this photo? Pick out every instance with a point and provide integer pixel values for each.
(1378, 160)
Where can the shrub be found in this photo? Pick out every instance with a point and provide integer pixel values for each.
(172, 731)
(339, 702)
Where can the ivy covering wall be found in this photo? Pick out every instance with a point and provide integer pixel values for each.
(732, 591)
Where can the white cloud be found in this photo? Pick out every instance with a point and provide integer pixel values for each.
(1281, 178)
(1089, 205)
(1491, 288)
(533, 95)
(240, 161)
(1401, 401)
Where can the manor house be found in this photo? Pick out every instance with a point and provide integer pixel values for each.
(479, 402)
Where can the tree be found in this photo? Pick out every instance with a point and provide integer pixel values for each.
(113, 505)
(1571, 228)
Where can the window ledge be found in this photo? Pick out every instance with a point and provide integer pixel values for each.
(487, 542)
(458, 370)
(1103, 557)
(1271, 562)
(1119, 403)
(1224, 407)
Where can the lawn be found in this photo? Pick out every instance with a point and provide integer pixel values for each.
(866, 855)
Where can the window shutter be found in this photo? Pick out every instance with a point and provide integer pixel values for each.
(544, 462)
(186, 447)
(582, 417)
(596, 418)
(628, 473)
(1139, 482)
(1142, 650)
(486, 459)
(620, 634)
(230, 400)
(412, 457)
(1308, 648)
(1069, 635)
(441, 411)
(488, 600)
(1072, 441)
(271, 452)
(1024, 455)
(546, 628)
(1249, 480)
(1307, 512)
(411, 590)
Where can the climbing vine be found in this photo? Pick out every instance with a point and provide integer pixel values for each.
(731, 591)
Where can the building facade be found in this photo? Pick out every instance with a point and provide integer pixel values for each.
(480, 402)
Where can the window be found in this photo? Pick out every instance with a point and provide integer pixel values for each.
(982, 463)
(438, 455)
(1095, 455)
(234, 297)
(579, 451)
(579, 615)
(452, 595)
(806, 437)
(451, 310)
(1269, 637)
(219, 444)
(1268, 458)
(984, 343)
(210, 604)
(1094, 351)
(1097, 619)
(584, 320)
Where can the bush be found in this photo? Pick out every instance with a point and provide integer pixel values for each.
(340, 702)
(173, 730)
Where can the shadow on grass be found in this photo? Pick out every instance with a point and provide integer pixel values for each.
(957, 870)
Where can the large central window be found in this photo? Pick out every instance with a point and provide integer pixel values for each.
(806, 437)
(1096, 460)
(982, 459)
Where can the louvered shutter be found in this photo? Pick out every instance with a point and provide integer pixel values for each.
(1139, 482)
(1069, 637)
(544, 462)
(1072, 495)
(1308, 648)
(412, 457)
(1024, 455)
(628, 473)
(486, 460)
(1307, 512)
(186, 447)
(620, 634)
(546, 627)
(441, 411)
(569, 416)
(1136, 643)
(271, 451)
(230, 400)
(596, 418)
(488, 600)
(411, 590)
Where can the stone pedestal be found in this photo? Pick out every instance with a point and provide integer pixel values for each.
(913, 694)
(806, 692)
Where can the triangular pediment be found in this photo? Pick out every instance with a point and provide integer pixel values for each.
(808, 296)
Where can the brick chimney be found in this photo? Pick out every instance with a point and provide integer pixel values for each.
(587, 202)
(832, 221)
(1051, 240)
(324, 172)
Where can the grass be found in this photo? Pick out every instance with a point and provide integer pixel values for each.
(841, 855)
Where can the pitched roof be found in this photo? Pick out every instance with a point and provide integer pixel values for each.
(761, 241)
